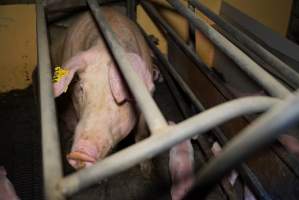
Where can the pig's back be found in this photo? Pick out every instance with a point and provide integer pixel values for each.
(84, 34)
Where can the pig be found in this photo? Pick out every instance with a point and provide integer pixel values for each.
(181, 164)
(104, 110)
(7, 191)
(232, 178)
(181, 168)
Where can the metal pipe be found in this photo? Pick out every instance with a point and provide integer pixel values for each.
(158, 143)
(186, 113)
(131, 9)
(169, 32)
(72, 5)
(244, 170)
(290, 74)
(263, 78)
(257, 135)
(52, 169)
(186, 89)
(149, 108)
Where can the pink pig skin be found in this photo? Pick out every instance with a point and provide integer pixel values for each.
(7, 191)
(100, 96)
(181, 162)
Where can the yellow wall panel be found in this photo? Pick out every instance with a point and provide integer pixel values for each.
(274, 14)
(148, 25)
(204, 47)
(17, 46)
(177, 22)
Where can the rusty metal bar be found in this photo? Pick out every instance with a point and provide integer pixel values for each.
(52, 168)
(262, 77)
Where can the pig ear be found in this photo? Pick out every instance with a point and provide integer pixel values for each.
(70, 67)
(117, 85)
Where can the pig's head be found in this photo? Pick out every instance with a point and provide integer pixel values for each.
(101, 102)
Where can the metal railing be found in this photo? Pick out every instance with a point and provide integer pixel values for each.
(163, 136)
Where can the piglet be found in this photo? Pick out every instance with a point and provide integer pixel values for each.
(181, 163)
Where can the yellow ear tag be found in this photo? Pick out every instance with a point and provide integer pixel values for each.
(59, 73)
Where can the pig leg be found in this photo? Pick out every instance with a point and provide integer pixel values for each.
(291, 143)
(232, 178)
(181, 160)
(7, 191)
(142, 132)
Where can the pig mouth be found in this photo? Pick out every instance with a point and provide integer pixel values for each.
(80, 160)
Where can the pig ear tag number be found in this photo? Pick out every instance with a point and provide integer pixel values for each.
(59, 73)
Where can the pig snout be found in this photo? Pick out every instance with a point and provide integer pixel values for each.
(86, 151)
(83, 154)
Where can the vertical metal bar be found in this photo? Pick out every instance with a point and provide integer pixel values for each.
(246, 174)
(291, 75)
(149, 108)
(263, 78)
(158, 143)
(131, 9)
(184, 86)
(52, 169)
(167, 30)
(257, 135)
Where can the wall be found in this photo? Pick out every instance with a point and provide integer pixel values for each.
(18, 46)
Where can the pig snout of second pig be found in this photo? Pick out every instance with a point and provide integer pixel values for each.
(100, 96)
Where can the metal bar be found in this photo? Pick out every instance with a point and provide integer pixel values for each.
(290, 74)
(52, 169)
(58, 11)
(263, 78)
(174, 74)
(131, 9)
(257, 135)
(244, 170)
(186, 113)
(168, 31)
(72, 5)
(149, 108)
(158, 143)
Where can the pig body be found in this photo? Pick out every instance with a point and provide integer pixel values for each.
(101, 100)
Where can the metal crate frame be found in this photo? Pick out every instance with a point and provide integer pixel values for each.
(282, 109)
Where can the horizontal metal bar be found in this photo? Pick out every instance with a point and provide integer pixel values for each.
(270, 84)
(258, 49)
(257, 135)
(52, 168)
(158, 143)
(246, 174)
(149, 108)
(59, 6)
